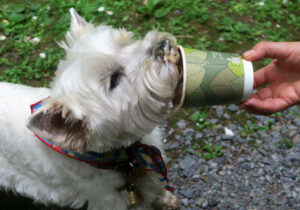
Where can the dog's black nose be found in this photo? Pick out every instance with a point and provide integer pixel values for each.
(162, 47)
(164, 44)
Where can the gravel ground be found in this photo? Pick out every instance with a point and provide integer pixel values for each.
(257, 171)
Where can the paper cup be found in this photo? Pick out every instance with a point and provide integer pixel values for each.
(213, 78)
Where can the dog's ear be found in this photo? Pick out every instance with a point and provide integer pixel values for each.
(79, 27)
(57, 124)
(78, 24)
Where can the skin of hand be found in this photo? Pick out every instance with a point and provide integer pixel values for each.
(282, 77)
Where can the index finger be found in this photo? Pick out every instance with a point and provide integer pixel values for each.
(279, 50)
(261, 77)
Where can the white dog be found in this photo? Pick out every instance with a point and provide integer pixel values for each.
(109, 93)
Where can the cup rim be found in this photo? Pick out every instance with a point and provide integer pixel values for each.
(248, 79)
(181, 51)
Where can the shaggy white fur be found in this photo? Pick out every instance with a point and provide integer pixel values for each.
(109, 92)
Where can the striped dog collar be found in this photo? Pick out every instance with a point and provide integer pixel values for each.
(147, 157)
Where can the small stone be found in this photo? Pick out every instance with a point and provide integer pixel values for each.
(246, 166)
(166, 146)
(227, 116)
(275, 128)
(263, 152)
(219, 111)
(266, 161)
(294, 194)
(174, 145)
(287, 163)
(222, 173)
(224, 193)
(269, 179)
(212, 202)
(185, 201)
(214, 121)
(203, 168)
(294, 157)
(236, 206)
(228, 132)
(241, 160)
(186, 163)
(290, 202)
(187, 193)
(171, 131)
(291, 133)
(188, 139)
(198, 135)
(220, 160)
(226, 137)
(181, 124)
(188, 132)
(242, 140)
(297, 163)
(205, 203)
(178, 137)
(213, 165)
(244, 187)
(188, 172)
(233, 108)
(258, 142)
(296, 139)
(200, 201)
(196, 176)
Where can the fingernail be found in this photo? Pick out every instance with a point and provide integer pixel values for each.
(248, 53)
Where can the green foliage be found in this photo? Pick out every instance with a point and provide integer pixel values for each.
(232, 26)
(200, 119)
(250, 129)
(211, 152)
(287, 142)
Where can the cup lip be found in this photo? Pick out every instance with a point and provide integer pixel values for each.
(181, 50)
(248, 79)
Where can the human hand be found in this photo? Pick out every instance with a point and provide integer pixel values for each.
(282, 75)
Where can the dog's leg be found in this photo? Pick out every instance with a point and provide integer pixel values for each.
(149, 185)
(168, 201)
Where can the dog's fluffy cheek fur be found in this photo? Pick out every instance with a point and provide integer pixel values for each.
(59, 125)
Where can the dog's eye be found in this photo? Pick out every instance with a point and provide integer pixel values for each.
(115, 79)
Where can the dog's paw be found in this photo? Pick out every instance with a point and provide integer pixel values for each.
(170, 201)
(167, 51)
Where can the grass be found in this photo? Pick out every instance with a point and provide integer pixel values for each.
(211, 152)
(200, 118)
(286, 142)
(29, 53)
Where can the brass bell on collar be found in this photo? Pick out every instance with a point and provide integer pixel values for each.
(134, 195)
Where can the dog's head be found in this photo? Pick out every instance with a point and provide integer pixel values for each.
(110, 90)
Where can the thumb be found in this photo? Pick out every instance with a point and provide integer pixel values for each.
(278, 50)
(266, 106)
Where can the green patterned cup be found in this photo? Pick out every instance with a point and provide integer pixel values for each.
(213, 78)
